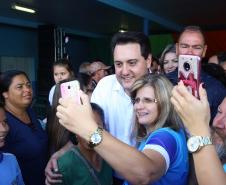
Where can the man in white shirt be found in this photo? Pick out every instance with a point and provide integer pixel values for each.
(132, 59)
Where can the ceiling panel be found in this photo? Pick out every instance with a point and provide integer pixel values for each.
(105, 17)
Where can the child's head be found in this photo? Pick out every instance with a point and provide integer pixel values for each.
(62, 70)
(4, 128)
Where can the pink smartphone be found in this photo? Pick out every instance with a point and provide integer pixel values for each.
(189, 68)
(71, 89)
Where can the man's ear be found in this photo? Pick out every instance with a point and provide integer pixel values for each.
(204, 51)
(149, 61)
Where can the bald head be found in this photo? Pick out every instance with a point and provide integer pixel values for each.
(191, 42)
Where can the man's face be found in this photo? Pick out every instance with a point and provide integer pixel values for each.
(219, 122)
(101, 74)
(220, 145)
(191, 43)
(130, 65)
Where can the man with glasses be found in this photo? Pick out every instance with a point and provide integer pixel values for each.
(192, 42)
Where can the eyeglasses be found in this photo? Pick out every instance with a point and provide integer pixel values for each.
(195, 47)
(144, 100)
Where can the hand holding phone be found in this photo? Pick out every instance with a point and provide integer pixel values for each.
(189, 68)
(71, 89)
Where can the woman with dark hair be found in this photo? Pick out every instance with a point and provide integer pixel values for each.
(26, 138)
(168, 59)
(62, 70)
(88, 167)
(58, 135)
(60, 139)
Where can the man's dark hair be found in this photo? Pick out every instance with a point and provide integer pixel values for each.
(221, 57)
(193, 28)
(132, 37)
(215, 70)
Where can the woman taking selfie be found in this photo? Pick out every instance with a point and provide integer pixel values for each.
(161, 157)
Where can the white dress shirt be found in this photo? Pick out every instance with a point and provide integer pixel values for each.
(117, 106)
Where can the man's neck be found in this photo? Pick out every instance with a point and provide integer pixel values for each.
(127, 91)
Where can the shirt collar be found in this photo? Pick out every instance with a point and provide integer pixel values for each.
(118, 88)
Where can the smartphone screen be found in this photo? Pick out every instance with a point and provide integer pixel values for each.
(71, 89)
(189, 68)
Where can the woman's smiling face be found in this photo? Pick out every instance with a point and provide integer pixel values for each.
(145, 107)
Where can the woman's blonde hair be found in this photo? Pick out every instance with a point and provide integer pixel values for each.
(167, 116)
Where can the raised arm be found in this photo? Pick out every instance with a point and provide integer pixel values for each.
(137, 167)
(195, 115)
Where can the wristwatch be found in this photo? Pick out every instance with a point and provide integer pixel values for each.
(96, 137)
(195, 143)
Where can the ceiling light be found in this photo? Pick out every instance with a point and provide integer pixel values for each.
(122, 30)
(22, 8)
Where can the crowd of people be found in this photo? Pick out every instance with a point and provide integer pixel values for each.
(136, 125)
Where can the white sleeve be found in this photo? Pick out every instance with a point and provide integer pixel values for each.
(51, 93)
(162, 151)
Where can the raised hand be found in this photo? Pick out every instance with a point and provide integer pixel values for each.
(194, 113)
(78, 118)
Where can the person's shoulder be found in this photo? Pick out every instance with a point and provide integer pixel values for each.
(11, 158)
(216, 91)
(68, 157)
(173, 76)
(164, 130)
(105, 86)
(167, 132)
(211, 81)
(108, 80)
(51, 92)
(9, 155)
(53, 87)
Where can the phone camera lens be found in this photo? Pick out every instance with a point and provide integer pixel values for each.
(186, 66)
(69, 87)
